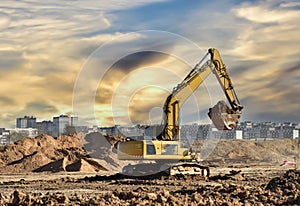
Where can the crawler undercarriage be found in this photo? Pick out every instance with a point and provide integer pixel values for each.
(167, 169)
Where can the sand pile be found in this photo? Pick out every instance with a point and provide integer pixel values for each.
(85, 153)
(275, 151)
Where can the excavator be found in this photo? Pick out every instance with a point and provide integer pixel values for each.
(167, 146)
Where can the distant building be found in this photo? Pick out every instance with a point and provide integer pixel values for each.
(295, 134)
(61, 122)
(153, 130)
(108, 130)
(45, 127)
(4, 136)
(287, 130)
(83, 129)
(18, 133)
(203, 131)
(10, 135)
(189, 132)
(26, 122)
(239, 134)
(94, 128)
(68, 124)
(132, 132)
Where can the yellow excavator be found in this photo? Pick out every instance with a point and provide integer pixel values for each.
(167, 145)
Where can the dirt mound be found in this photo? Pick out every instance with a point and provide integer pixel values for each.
(45, 153)
(103, 149)
(289, 181)
(95, 152)
(245, 151)
(114, 139)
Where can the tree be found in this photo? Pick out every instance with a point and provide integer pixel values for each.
(15, 136)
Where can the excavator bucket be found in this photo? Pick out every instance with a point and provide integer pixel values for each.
(223, 117)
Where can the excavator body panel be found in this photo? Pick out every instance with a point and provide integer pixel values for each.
(152, 150)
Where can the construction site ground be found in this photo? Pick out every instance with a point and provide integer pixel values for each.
(252, 186)
(234, 180)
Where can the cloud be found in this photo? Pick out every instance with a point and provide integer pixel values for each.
(275, 47)
(129, 96)
(41, 106)
(8, 120)
(276, 98)
(143, 101)
(264, 13)
(44, 45)
(6, 100)
(41, 109)
(113, 5)
(4, 21)
(258, 42)
(133, 80)
(10, 60)
(147, 60)
(121, 69)
(290, 4)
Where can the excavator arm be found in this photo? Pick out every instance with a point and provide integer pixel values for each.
(223, 117)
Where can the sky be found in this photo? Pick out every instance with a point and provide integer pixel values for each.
(115, 62)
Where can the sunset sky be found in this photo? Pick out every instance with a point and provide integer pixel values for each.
(115, 62)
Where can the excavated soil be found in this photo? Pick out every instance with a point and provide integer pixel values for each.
(248, 151)
(91, 153)
(83, 170)
(95, 152)
(268, 188)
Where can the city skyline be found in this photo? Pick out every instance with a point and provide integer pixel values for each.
(30, 126)
(36, 119)
(45, 46)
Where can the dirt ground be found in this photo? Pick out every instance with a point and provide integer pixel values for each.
(260, 185)
(71, 170)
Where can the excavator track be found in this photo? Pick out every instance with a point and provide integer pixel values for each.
(174, 169)
(190, 168)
